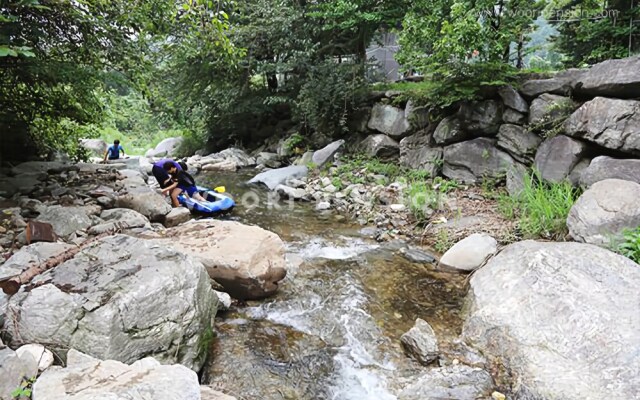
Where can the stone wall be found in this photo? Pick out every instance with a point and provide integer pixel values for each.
(567, 127)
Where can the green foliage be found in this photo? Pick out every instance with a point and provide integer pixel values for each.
(592, 31)
(541, 207)
(294, 141)
(25, 389)
(630, 244)
(464, 46)
(50, 90)
(443, 241)
(328, 96)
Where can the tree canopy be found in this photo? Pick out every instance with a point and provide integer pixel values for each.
(243, 72)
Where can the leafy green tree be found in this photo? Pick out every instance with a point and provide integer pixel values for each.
(465, 45)
(591, 31)
(55, 55)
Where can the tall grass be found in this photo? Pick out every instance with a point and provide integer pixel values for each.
(541, 207)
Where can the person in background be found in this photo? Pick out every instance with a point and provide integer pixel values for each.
(113, 152)
(183, 182)
(161, 175)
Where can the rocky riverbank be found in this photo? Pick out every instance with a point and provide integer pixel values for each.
(118, 279)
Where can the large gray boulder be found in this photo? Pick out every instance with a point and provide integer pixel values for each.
(482, 118)
(389, 120)
(611, 123)
(274, 177)
(556, 157)
(519, 142)
(68, 220)
(561, 84)
(87, 378)
(458, 382)
(247, 261)
(27, 256)
(227, 160)
(167, 147)
(512, 99)
(561, 320)
(604, 167)
(474, 160)
(146, 201)
(25, 183)
(119, 218)
(449, 130)
(381, 146)
(97, 147)
(327, 153)
(550, 109)
(416, 153)
(121, 298)
(41, 166)
(604, 211)
(614, 78)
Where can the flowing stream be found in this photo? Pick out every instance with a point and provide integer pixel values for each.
(333, 331)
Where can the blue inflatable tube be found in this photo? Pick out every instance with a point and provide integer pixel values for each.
(216, 202)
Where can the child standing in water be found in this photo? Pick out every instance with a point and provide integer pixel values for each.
(183, 183)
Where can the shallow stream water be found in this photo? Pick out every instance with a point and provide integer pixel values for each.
(333, 331)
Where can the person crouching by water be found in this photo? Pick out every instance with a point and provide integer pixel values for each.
(162, 176)
(183, 182)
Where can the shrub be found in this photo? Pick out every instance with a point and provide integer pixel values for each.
(541, 207)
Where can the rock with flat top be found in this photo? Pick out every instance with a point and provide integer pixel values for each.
(247, 261)
(469, 253)
(88, 378)
(458, 382)
(177, 216)
(604, 167)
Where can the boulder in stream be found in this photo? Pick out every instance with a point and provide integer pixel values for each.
(121, 298)
(421, 343)
(247, 261)
(327, 153)
(561, 319)
(274, 177)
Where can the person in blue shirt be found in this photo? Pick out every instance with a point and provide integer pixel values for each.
(161, 175)
(113, 151)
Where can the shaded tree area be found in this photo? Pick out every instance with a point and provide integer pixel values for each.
(240, 72)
